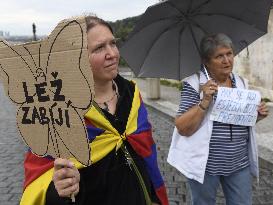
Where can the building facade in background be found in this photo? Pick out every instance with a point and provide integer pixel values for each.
(255, 63)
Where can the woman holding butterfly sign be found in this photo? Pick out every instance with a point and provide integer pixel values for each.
(209, 152)
(123, 154)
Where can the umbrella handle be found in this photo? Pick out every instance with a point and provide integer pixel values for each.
(206, 72)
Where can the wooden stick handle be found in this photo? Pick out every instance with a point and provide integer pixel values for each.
(73, 198)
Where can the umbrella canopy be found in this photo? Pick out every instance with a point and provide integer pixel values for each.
(165, 41)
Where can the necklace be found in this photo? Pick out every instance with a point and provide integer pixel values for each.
(105, 103)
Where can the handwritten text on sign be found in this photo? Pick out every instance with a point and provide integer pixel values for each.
(42, 114)
(236, 106)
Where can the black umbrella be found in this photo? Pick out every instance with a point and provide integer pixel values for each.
(165, 41)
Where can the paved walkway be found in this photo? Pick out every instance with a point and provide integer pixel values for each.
(12, 150)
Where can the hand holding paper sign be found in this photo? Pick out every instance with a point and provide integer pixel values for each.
(51, 83)
(262, 111)
(236, 106)
(66, 178)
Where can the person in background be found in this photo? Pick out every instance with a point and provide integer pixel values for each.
(124, 162)
(207, 152)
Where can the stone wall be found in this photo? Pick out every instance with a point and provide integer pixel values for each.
(176, 183)
(255, 63)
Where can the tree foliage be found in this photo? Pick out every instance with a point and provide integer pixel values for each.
(123, 27)
(121, 30)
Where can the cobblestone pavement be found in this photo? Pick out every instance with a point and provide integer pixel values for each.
(11, 154)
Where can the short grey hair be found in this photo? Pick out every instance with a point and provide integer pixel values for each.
(210, 43)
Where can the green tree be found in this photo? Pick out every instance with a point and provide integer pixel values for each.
(121, 29)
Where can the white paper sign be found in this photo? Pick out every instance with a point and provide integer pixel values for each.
(236, 106)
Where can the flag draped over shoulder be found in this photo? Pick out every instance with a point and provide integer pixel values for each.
(103, 139)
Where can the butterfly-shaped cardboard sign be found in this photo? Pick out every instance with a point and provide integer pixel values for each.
(51, 83)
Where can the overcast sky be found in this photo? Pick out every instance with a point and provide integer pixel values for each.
(17, 16)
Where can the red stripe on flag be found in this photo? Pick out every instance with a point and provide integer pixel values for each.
(142, 143)
(88, 122)
(140, 97)
(35, 167)
(162, 195)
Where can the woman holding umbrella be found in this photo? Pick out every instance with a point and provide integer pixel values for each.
(207, 152)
